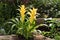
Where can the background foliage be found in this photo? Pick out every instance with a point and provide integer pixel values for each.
(49, 8)
(7, 11)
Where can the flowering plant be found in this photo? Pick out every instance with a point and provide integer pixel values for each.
(25, 28)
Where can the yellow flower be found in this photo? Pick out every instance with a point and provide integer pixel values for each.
(32, 14)
(22, 12)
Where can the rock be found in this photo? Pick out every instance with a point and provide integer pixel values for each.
(39, 37)
(8, 37)
(39, 21)
(49, 39)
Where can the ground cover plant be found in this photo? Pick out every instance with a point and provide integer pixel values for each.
(54, 25)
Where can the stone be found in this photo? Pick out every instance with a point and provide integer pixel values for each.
(39, 37)
(8, 37)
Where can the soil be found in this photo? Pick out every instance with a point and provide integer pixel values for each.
(42, 28)
(20, 37)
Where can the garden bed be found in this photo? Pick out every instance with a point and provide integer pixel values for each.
(14, 37)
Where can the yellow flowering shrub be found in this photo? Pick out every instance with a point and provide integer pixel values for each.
(25, 28)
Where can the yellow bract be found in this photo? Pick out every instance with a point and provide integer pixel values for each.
(32, 14)
(22, 12)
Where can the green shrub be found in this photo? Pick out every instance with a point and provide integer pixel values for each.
(7, 11)
(57, 37)
(50, 8)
